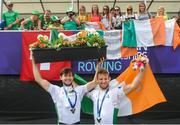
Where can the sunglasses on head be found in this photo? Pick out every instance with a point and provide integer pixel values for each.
(105, 8)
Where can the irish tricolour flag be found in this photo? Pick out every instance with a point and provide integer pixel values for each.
(146, 95)
(137, 33)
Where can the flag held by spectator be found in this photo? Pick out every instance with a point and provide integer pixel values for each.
(176, 36)
(142, 33)
(115, 50)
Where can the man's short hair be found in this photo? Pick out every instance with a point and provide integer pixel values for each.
(102, 71)
(66, 71)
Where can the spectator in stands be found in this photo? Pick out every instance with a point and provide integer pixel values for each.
(162, 13)
(112, 17)
(83, 17)
(55, 24)
(118, 18)
(143, 13)
(106, 17)
(178, 19)
(129, 14)
(95, 15)
(70, 22)
(10, 17)
(45, 19)
(31, 23)
(67, 98)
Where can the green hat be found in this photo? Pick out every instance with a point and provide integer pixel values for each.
(54, 18)
(70, 9)
(35, 12)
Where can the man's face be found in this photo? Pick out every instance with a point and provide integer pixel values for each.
(47, 15)
(67, 79)
(10, 6)
(103, 80)
(35, 17)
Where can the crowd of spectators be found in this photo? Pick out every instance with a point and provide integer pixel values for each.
(111, 18)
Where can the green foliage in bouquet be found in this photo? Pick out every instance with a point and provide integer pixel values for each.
(84, 38)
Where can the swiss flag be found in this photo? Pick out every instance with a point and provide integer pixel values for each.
(49, 71)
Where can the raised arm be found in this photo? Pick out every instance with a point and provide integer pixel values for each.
(92, 84)
(137, 80)
(42, 82)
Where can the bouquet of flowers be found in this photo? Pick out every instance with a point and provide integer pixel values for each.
(42, 42)
(85, 38)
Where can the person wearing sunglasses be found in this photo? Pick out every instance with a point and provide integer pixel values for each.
(118, 18)
(10, 17)
(129, 14)
(106, 17)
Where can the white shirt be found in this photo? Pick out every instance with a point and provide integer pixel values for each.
(63, 107)
(111, 101)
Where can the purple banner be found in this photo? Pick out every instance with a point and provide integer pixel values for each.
(10, 52)
(163, 59)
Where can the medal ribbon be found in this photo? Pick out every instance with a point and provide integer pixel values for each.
(69, 100)
(99, 108)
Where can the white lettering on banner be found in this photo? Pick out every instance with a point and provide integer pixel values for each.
(91, 66)
(141, 50)
(45, 66)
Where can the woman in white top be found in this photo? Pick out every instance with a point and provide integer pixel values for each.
(118, 16)
(143, 13)
(112, 18)
(106, 17)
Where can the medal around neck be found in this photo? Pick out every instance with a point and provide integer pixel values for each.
(72, 104)
(98, 119)
(73, 110)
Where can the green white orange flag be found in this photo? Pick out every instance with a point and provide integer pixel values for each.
(115, 50)
(141, 33)
(176, 36)
(145, 96)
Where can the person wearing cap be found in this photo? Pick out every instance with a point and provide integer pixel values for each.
(32, 23)
(70, 22)
(55, 24)
(46, 19)
(10, 17)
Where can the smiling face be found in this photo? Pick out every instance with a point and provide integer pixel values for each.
(10, 6)
(142, 7)
(66, 76)
(129, 10)
(103, 79)
(161, 11)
